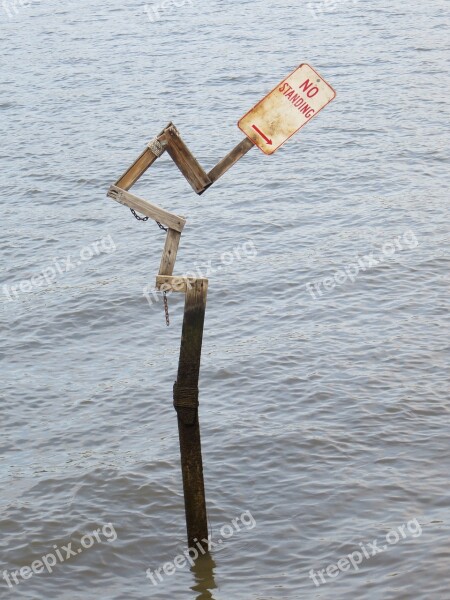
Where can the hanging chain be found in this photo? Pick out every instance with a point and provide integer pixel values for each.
(166, 304)
(166, 309)
(146, 219)
(137, 216)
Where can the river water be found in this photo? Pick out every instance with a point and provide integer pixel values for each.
(324, 381)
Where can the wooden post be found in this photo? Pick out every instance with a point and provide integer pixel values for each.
(140, 165)
(185, 400)
(230, 159)
(170, 252)
(185, 160)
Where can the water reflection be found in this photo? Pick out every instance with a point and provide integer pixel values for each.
(203, 571)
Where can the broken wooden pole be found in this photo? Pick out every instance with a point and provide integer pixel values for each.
(185, 400)
(268, 125)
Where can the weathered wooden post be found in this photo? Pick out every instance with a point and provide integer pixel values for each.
(185, 401)
(289, 106)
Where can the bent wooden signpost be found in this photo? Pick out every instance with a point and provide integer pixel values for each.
(295, 101)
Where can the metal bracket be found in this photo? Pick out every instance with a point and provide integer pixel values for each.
(156, 147)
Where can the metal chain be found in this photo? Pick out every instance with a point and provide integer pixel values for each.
(146, 219)
(166, 309)
(166, 304)
(137, 216)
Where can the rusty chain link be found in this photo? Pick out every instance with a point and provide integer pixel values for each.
(166, 309)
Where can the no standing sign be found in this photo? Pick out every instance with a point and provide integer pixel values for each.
(294, 102)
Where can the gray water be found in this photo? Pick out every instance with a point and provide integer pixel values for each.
(325, 416)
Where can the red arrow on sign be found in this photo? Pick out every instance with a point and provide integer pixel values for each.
(263, 135)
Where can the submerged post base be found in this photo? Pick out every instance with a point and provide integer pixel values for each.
(185, 396)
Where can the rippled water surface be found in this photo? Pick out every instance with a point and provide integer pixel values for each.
(324, 408)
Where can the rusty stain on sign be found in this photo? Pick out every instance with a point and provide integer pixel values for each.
(294, 102)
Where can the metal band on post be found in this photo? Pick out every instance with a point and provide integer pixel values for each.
(156, 147)
(185, 402)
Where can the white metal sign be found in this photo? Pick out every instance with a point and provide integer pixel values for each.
(294, 102)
